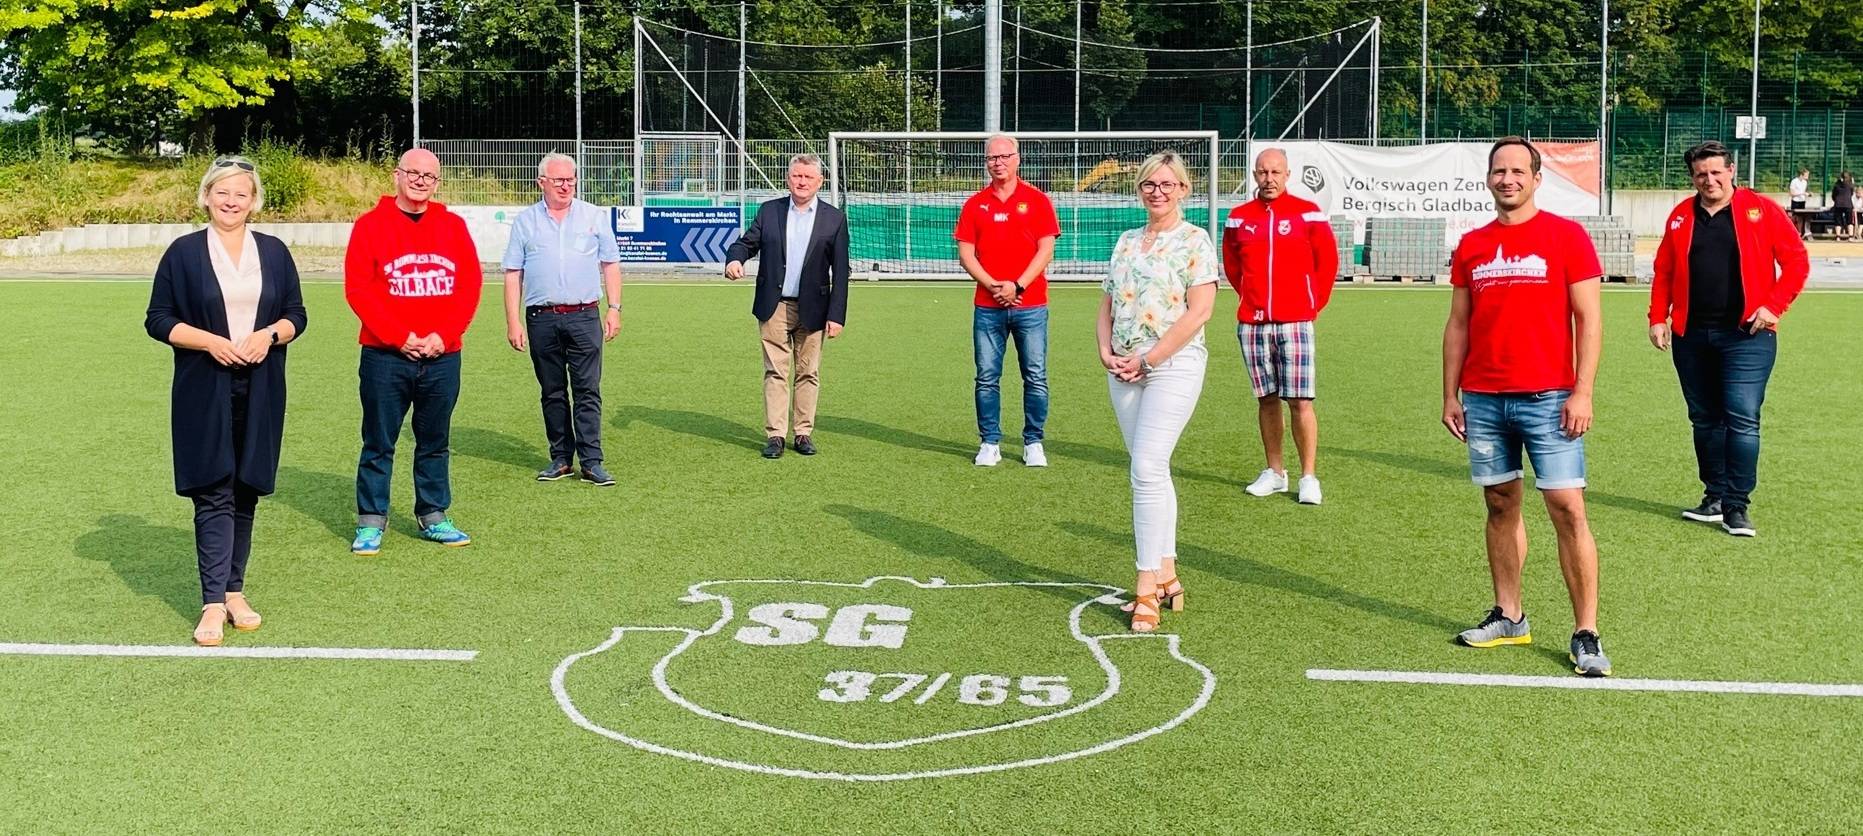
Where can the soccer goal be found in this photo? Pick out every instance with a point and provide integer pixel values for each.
(902, 193)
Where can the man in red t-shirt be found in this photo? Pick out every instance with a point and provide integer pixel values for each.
(1514, 377)
(1005, 239)
(412, 276)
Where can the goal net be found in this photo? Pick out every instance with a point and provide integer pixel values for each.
(902, 193)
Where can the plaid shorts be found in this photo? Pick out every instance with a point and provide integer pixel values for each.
(1279, 357)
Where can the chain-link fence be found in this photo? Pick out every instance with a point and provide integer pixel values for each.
(1361, 75)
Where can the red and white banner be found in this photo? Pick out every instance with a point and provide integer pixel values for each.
(1440, 180)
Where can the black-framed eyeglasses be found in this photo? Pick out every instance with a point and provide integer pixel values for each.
(559, 182)
(226, 162)
(1150, 187)
(1000, 158)
(419, 177)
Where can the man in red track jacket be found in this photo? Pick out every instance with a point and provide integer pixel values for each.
(1730, 264)
(412, 276)
(1280, 256)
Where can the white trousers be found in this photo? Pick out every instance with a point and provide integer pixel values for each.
(1152, 414)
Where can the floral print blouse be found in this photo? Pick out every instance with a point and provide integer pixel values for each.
(1148, 289)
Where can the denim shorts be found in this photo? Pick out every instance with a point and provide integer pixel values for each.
(1500, 425)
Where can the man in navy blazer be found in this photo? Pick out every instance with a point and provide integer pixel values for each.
(801, 295)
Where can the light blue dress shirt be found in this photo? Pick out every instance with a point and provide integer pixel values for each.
(796, 246)
(562, 262)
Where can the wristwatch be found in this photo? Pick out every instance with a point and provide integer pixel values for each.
(1145, 365)
(614, 306)
(274, 333)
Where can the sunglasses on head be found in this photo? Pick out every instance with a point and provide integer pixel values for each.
(239, 164)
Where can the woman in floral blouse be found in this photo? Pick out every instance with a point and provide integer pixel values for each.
(1158, 296)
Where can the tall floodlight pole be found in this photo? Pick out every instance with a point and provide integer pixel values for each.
(908, 66)
(1248, 83)
(640, 161)
(578, 18)
(743, 115)
(938, 83)
(414, 46)
(1423, 86)
(993, 65)
(1017, 122)
(1753, 126)
(1377, 71)
(1604, 111)
(1077, 7)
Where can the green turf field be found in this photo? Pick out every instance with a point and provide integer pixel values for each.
(1378, 578)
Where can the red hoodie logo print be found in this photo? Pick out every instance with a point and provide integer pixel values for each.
(420, 274)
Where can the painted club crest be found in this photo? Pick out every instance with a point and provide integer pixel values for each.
(1753, 215)
(887, 679)
(1284, 227)
(1022, 208)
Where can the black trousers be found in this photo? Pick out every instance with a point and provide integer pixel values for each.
(223, 518)
(566, 351)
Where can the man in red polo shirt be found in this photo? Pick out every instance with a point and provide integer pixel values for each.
(1515, 376)
(1005, 239)
(1729, 265)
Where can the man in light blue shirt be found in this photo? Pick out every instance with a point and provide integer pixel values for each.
(562, 256)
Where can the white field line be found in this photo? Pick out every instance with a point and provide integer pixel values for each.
(1699, 686)
(375, 653)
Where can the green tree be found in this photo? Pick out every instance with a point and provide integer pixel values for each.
(135, 69)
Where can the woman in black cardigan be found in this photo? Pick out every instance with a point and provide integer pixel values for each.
(227, 300)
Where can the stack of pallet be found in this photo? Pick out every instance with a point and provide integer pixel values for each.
(1406, 249)
(1348, 252)
(1616, 245)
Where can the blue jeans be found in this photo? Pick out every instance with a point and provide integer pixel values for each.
(390, 384)
(1723, 373)
(1500, 425)
(990, 330)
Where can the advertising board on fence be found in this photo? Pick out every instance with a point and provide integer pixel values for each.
(1446, 180)
(676, 234)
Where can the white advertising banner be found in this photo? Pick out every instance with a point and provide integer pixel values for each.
(1440, 180)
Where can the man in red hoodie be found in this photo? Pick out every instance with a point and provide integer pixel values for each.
(1280, 256)
(412, 276)
(1729, 265)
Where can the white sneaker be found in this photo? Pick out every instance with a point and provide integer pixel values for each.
(1309, 490)
(988, 455)
(1268, 482)
(1033, 456)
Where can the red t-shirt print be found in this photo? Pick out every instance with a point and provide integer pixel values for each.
(1007, 234)
(1520, 329)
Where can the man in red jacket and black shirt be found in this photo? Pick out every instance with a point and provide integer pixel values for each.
(1280, 256)
(412, 276)
(1729, 265)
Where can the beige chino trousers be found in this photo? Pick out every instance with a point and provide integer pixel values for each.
(787, 347)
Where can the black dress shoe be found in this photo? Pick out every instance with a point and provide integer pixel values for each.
(774, 449)
(805, 445)
(1708, 511)
(595, 474)
(555, 471)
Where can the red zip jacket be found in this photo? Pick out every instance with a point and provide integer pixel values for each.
(403, 277)
(1281, 258)
(1765, 236)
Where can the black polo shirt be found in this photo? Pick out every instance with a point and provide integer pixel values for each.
(1715, 297)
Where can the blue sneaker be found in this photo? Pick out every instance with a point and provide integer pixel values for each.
(446, 534)
(368, 541)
